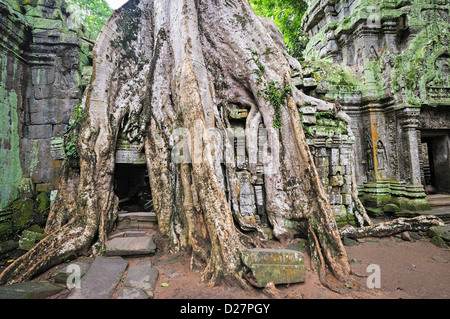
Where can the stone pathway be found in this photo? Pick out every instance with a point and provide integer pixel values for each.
(101, 279)
(126, 271)
(111, 276)
(132, 238)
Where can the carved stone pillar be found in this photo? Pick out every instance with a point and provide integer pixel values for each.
(414, 191)
(409, 125)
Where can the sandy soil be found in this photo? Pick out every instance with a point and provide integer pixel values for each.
(409, 270)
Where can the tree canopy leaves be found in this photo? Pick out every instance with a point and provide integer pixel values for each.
(288, 15)
(92, 14)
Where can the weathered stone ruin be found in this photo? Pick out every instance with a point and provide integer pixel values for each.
(387, 64)
(384, 63)
(45, 64)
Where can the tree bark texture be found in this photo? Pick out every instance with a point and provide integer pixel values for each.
(162, 66)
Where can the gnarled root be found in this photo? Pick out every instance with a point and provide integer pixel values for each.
(399, 225)
(51, 251)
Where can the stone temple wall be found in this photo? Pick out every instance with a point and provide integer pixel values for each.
(41, 66)
(387, 65)
(330, 139)
(14, 77)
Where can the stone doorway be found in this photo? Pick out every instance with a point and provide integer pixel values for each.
(132, 187)
(435, 151)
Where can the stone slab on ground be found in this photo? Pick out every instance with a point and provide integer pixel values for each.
(29, 290)
(101, 279)
(279, 266)
(130, 246)
(132, 293)
(142, 276)
(61, 274)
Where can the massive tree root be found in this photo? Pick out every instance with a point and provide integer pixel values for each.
(166, 75)
(389, 228)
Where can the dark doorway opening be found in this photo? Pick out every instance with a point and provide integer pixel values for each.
(428, 167)
(132, 187)
(435, 149)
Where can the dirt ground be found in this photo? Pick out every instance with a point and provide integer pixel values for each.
(409, 270)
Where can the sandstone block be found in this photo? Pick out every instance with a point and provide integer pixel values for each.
(279, 266)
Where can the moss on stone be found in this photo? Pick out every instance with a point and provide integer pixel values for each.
(35, 229)
(9, 134)
(347, 219)
(43, 202)
(5, 230)
(22, 213)
(438, 241)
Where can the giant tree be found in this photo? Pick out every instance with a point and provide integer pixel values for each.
(165, 66)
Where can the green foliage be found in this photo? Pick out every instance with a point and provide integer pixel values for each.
(71, 137)
(273, 93)
(93, 14)
(259, 71)
(325, 115)
(288, 15)
(276, 96)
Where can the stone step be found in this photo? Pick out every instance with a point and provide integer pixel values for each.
(140, 281)
(129, 233)
(136, 220)
(137, 216)
(439, 203)
(440, 200)
(130, 246)
(101, 279)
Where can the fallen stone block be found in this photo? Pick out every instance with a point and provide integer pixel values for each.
(29, 239)
(29, 290)
(279, 266)
(440, 231)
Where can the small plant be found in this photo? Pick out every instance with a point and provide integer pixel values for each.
(70, 148)
(274, 93)
(260, 67)
(71, 137)
(276, 96)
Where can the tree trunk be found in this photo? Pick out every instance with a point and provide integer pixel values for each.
(165, 75)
